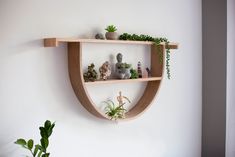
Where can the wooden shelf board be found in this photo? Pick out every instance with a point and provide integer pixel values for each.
(124, 80)
(54, 42)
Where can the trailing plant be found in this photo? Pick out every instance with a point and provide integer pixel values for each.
(134, 74)
(114, 111)
(39, 150)
(111, 28)
(157, 41)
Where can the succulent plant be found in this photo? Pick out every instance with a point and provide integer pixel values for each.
(111, 28)
(91, 74)
(124, 65)
(134, 74)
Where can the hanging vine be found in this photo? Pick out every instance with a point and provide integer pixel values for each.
(157, 41)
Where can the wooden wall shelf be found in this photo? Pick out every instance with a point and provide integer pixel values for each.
(79, 85)
(124, 80)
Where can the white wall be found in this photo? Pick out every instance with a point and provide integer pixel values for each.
(230, 134)
(35, 86)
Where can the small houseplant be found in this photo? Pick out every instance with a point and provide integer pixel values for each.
(111, 33)
(116, 111)
(113, 111)
(91, 74)
(134, 74)
(38, 150)
(123, 70)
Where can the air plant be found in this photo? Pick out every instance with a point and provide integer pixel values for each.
(114, 111)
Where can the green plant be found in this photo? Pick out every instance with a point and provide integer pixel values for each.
(111, 28)
(39, 150)
(113, 111)
(123, 65)
(134, 74)
(157, 41)
(91, 74)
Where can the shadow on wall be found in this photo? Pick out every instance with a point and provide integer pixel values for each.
(6, 146)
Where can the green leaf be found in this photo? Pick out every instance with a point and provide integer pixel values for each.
(30, 144)
(21, 142)
(36, 150)
(50, 130)
(40, 153)
(47, 124)
(43, 132)
(46, 155)
(44, 143)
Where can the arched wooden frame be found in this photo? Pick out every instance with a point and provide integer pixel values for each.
(79, 86)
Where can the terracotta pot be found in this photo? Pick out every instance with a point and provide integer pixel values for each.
(111, 35)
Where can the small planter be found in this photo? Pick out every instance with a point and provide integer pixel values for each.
(111, 35)
(123, 73)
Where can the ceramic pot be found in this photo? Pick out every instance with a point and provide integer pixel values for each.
(123, 73)
(111, 35)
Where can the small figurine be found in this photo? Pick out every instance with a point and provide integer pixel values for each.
(139, 70)
(149, 72)
(91, 74)
(116, 111)
(105, 70)
(122, 69)
(99, 36)
(121, 99)
(145, 74)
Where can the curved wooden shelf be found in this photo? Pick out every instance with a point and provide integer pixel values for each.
(79, 86)
(124, 81)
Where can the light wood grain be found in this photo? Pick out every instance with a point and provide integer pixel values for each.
(111, 81)
(79, 86)
(77, 81)
(152, 87)
(53, 42)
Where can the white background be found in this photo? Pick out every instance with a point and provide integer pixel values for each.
(34, 82)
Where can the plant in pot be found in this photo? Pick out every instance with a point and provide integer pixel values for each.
(111, 33)
(38, 150)
(123, 71)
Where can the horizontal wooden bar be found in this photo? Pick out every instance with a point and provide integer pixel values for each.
(54, 42)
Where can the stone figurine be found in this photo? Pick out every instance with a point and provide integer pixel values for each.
(139, 70)
(99, 36)
(105, 71)
(122, 70)
(91, 74)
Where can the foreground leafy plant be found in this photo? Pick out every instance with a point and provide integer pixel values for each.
(157, 41)
(113, 111)
(39, 150)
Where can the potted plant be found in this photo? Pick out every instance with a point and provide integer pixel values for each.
(91, 74)
(38, 150)
(111, 33)
(123, 71)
